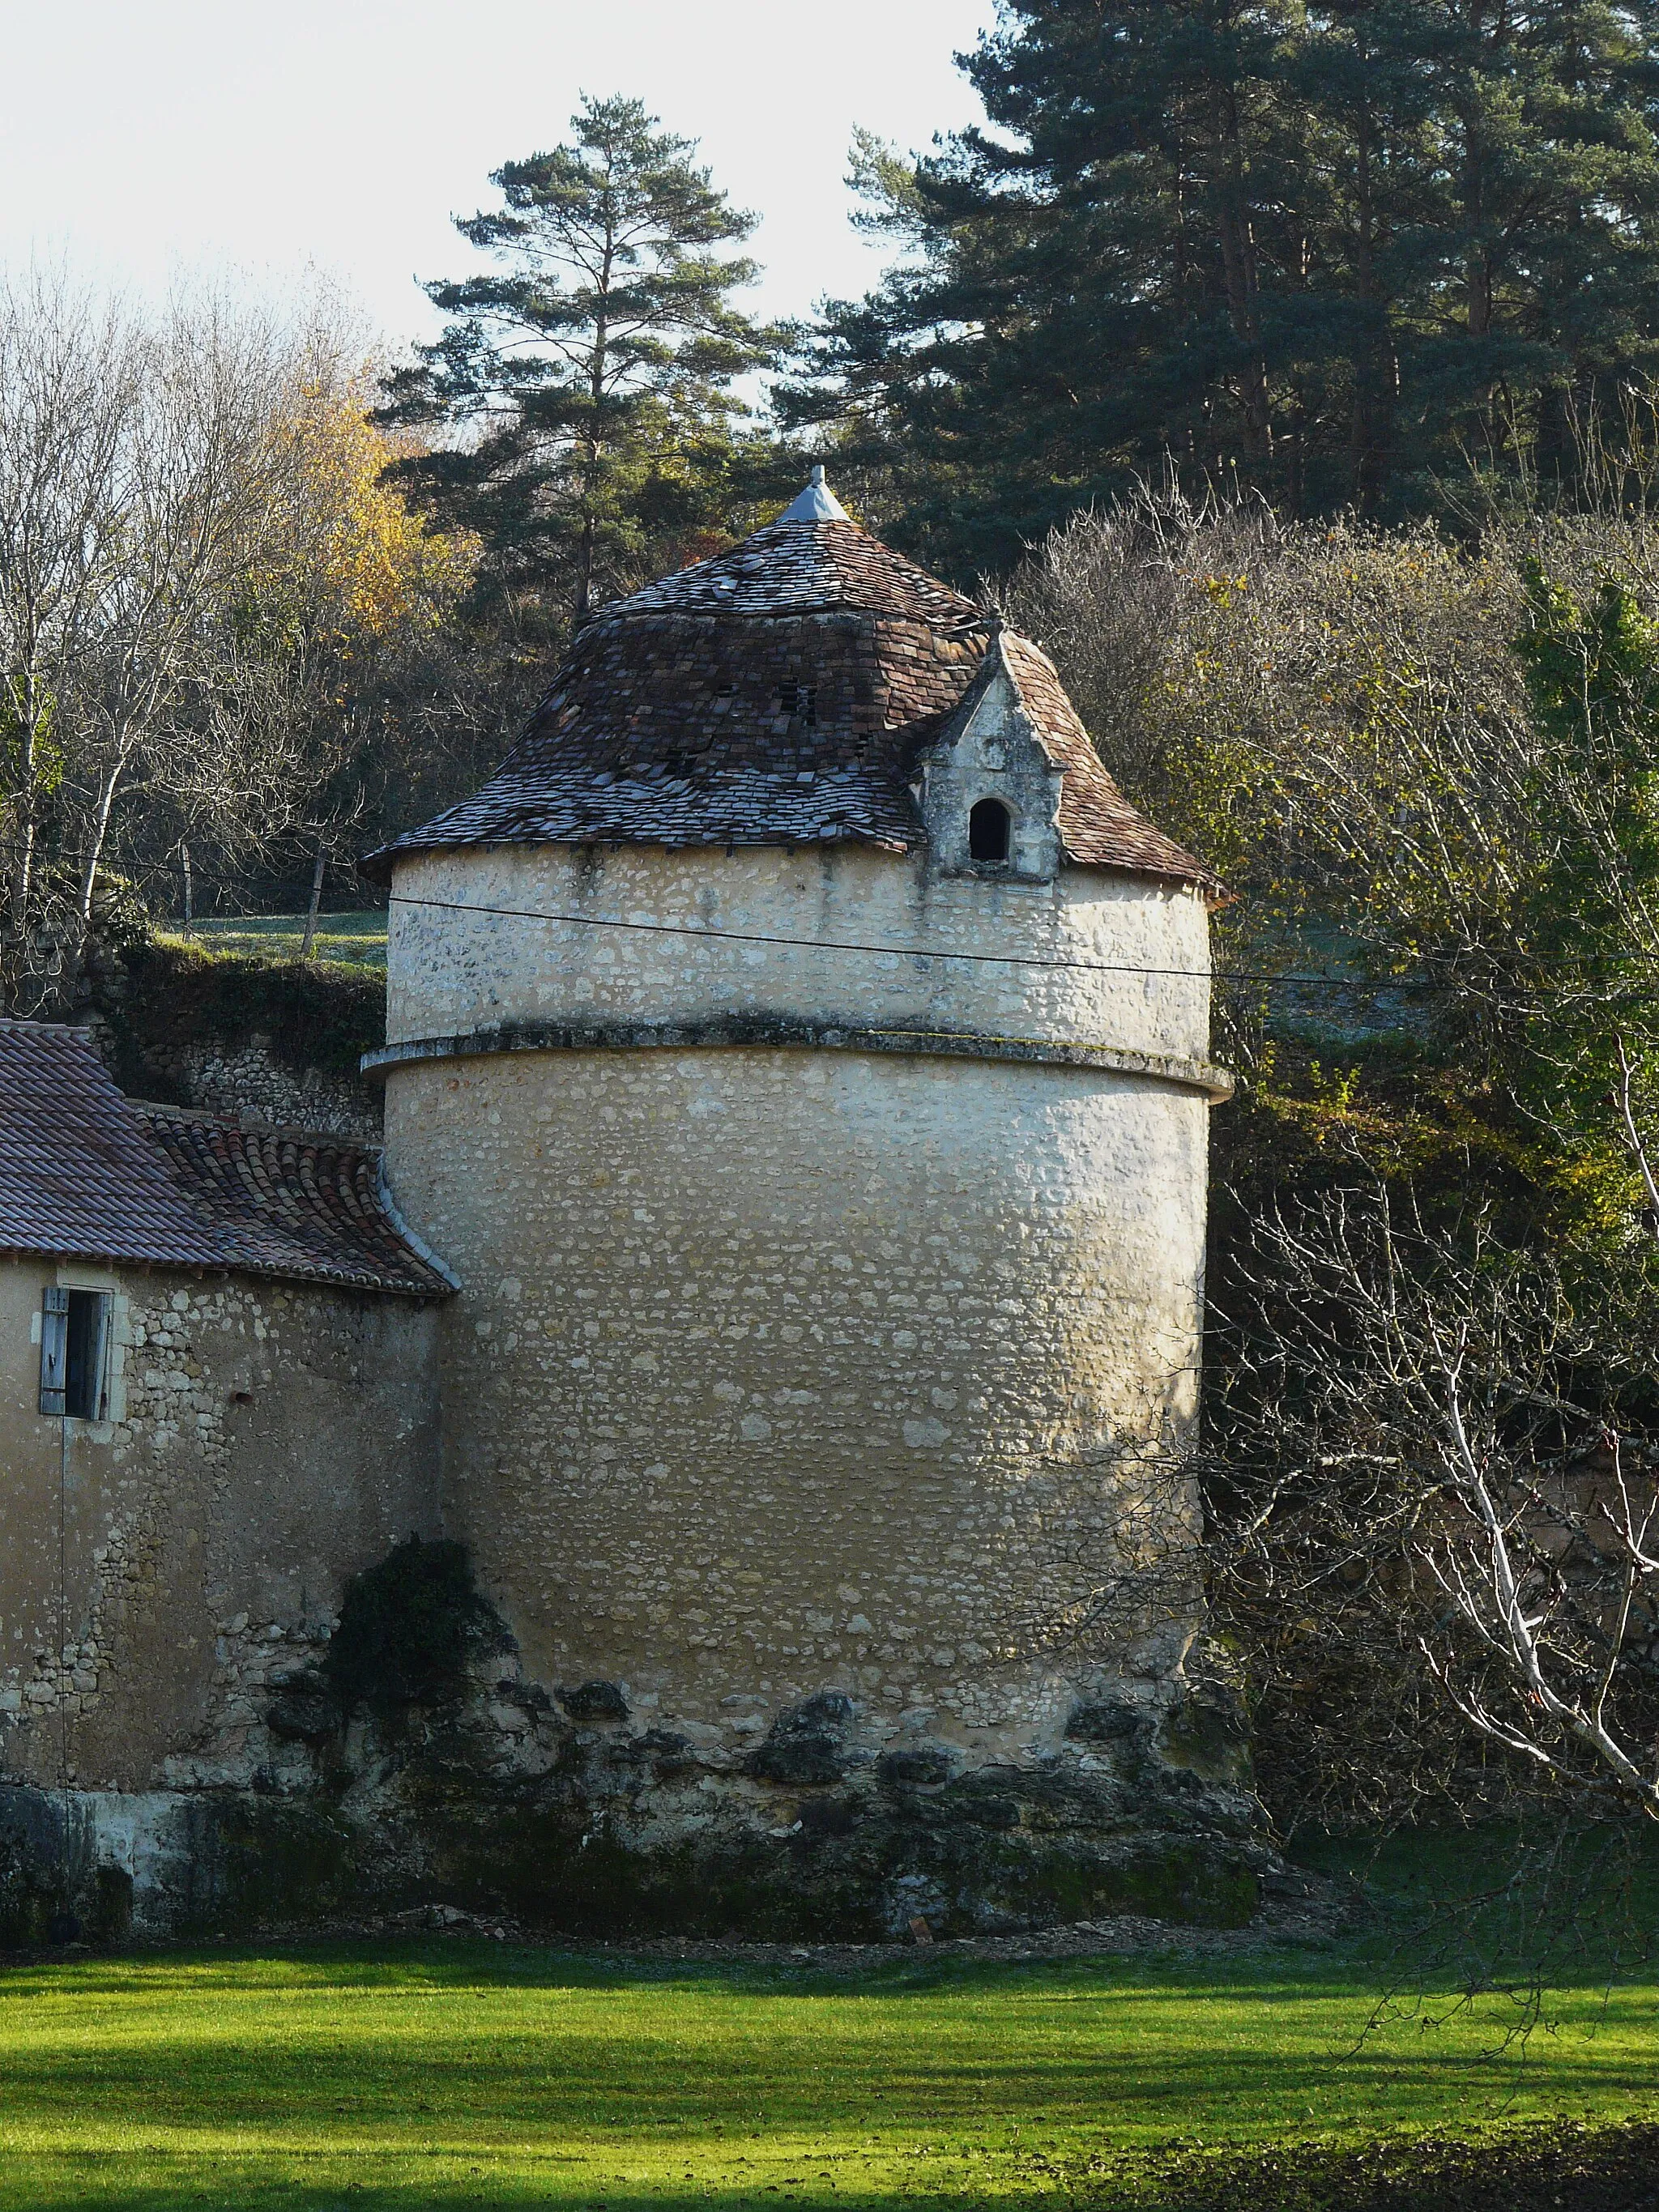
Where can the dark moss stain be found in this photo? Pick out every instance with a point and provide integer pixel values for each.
(410, 1629)
(257, 1864)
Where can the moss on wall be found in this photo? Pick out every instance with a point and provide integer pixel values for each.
(168, 996)
(410, 1626)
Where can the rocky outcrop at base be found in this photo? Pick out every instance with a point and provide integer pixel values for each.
(396, 1756)
(559, 1809)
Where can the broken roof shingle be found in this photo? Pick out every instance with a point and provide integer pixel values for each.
(88, 1173)
(781, 693)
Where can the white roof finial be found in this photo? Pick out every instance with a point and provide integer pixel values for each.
(817, 503)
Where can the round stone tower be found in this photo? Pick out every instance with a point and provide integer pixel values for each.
(798, 1051)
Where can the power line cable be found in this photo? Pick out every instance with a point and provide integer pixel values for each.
(1270, 978)
(932, 952)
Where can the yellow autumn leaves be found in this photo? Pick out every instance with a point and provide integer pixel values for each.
(341, 548)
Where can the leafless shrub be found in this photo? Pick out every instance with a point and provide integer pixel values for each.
(1336, 715)
(1432, 1467)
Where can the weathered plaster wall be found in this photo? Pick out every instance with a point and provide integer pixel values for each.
(268, 1439)
(1144, 985)
(781, 1369)
(772, 1370)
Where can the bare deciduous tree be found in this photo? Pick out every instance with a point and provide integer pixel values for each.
(1409, 1467)
(192, 542)
(70, 381)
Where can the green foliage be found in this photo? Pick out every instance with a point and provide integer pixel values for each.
(593, 368)
(31, 755)
(1323, 252)
(1592, 923)
(410, 1627)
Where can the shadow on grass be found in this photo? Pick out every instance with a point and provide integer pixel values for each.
(408, 2048)
(1532, 2169)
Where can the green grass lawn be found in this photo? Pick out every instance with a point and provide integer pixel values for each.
(356, 939)
(474, 2073)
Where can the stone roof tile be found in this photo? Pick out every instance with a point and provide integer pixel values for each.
(782, 693)
(88, 1173)
(803, 568)
(1096, 819)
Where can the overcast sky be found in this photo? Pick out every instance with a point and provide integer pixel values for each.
(145, 136)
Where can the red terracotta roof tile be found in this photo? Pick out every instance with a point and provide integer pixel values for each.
(88, 1173)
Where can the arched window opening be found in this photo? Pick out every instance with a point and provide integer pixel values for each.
(988, 826)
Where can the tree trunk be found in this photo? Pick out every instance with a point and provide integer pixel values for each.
(1477, 261)
(29, 719)
(1372, 407)
(599, 361)
(1238, 266)
(101, 820)
(316, 901)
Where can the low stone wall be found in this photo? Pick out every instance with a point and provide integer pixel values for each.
(271, 1041)
(243, 1077)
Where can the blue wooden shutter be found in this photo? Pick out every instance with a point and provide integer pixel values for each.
(54, 1351)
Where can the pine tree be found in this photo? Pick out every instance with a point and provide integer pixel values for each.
(1326, 251)
(594, 367)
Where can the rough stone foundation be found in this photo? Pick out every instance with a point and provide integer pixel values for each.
(570, 1812)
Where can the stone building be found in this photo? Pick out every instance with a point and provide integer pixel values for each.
(796, 1053)
(799, 1050)
(218, 1398)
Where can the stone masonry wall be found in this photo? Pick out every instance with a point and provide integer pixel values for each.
(778, 1372)
(244, 1078)
(266, 1440)
(1086, 957)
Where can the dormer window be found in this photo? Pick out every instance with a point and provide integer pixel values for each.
(990, 826)
(799, 702)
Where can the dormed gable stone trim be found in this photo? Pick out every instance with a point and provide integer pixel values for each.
(992, 750)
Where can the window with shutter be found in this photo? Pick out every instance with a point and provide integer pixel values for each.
(54, 1351)
(75, 1331)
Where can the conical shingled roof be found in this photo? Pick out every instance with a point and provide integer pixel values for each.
(828, 567)
(781, 693)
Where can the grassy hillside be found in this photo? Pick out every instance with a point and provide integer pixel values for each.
(356, 940)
